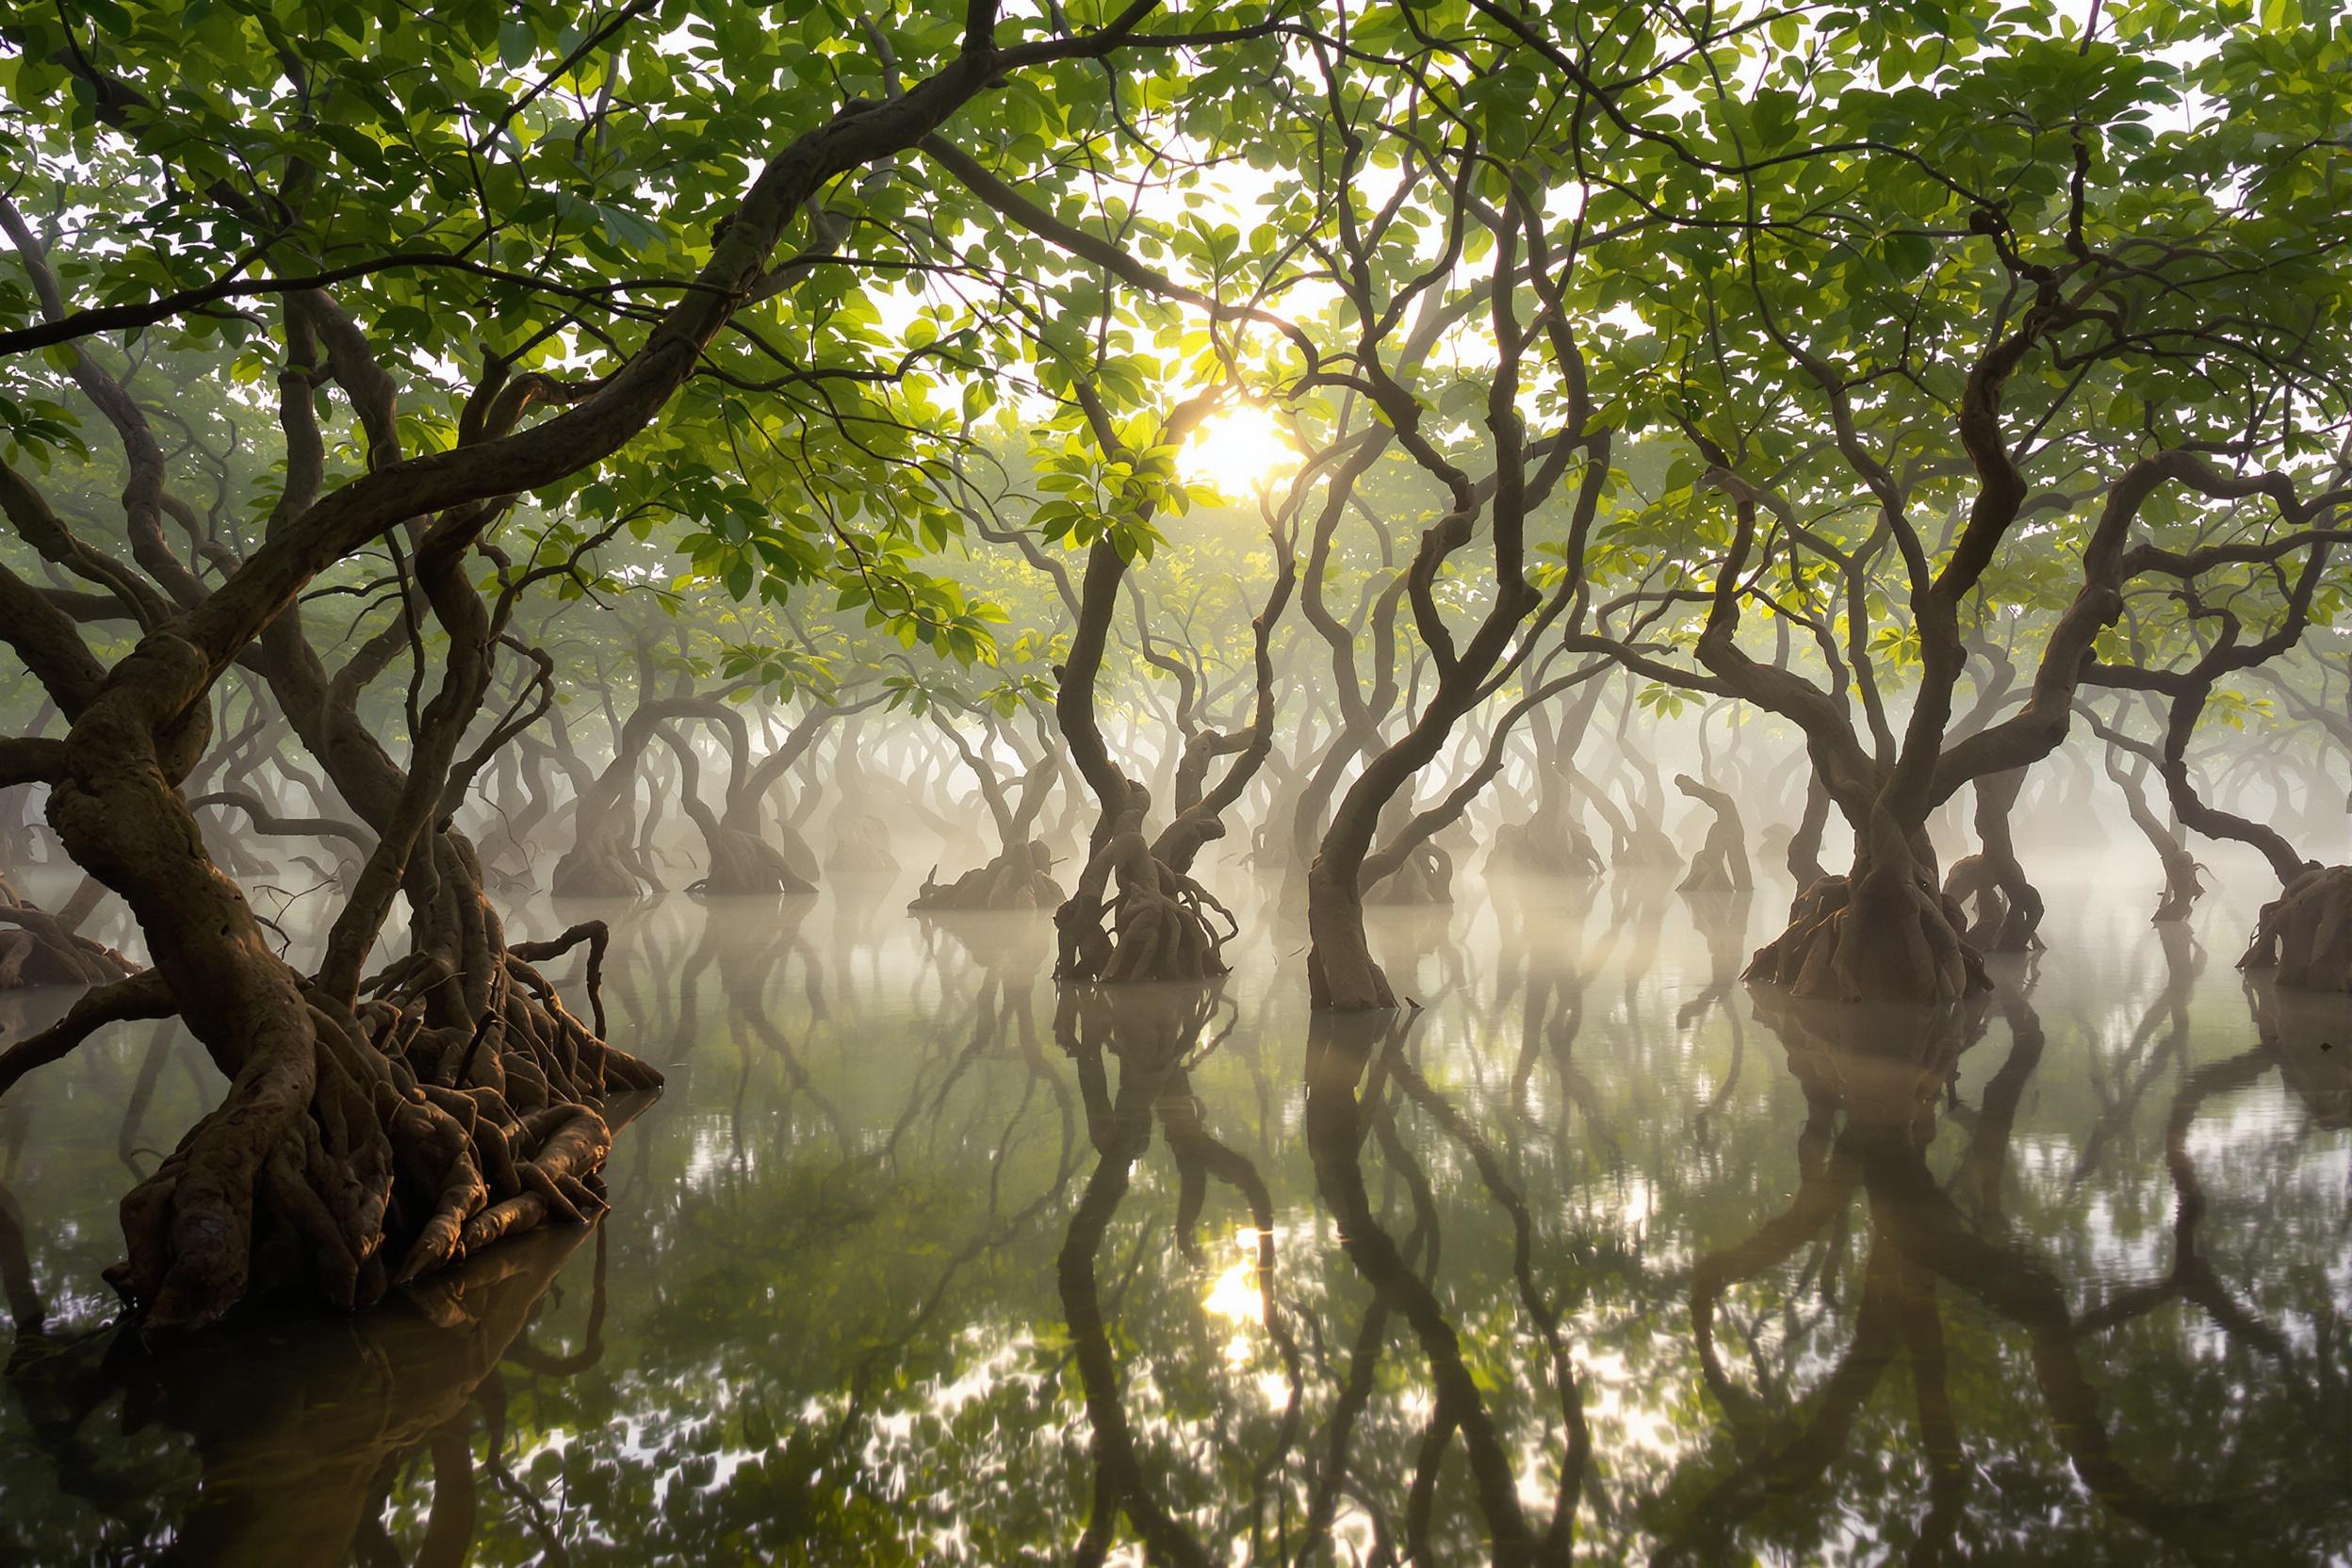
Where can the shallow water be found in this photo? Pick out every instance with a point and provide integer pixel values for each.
(1594, 1255)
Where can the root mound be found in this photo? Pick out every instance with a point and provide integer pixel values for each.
(1156, 928)
(744, 867)
(591, 871)
(1018, 879)
(2305, 934)
(1872, 937)
(358, 1150)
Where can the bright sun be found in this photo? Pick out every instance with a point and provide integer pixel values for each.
(1237, 453)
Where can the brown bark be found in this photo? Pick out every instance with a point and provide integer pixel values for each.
(1721, 863)
(1131, 917)
(2007, 908)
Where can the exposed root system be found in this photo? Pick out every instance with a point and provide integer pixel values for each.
(1020, 878)
(2305, 934)
(1136, 917)
(360, 1150)
(744, 867)
(1995, 924)
(1893, 939)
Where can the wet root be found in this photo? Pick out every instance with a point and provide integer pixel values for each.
(1157, 929)
(2000, 924)
(363, 1149)
(1899, 941)
(2305, 934)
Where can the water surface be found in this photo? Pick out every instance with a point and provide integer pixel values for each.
(1595, 1255)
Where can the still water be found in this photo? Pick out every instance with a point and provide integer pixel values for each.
(1596, 1256)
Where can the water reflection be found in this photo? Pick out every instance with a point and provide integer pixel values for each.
(1357, 1070)
(300, 1444)
(1597, 1254)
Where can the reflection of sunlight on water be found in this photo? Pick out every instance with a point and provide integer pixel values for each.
(1353, 1530)
(1640, 1203)
(1235, 1297)
(1011, 1354)
(1636, 1415)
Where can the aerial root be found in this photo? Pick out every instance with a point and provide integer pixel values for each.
(1162, 935)
(2001, 923)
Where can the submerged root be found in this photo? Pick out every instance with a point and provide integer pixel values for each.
(1892, 938)
(361, 1148)
(2305, 934)
(1020, 878)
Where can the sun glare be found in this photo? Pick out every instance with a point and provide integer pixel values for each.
(1237, 453)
